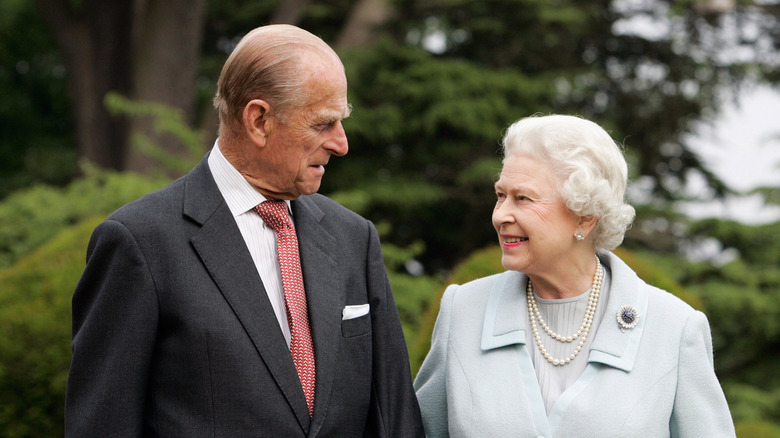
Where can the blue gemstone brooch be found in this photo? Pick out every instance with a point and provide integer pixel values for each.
(627, 317)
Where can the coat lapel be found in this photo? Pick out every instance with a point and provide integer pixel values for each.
(505, 325)
(502, 326)
(611, 346)
(224, 254)
(324, 295)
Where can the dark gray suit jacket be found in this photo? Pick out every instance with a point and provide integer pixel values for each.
(173, 333)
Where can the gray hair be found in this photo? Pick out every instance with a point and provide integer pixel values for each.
(589, 165)
(267, 64)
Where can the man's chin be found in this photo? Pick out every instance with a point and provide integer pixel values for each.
(309, 189)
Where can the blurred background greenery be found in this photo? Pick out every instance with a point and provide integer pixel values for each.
(105, 101)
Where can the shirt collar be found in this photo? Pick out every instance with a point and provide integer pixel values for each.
(239, 195)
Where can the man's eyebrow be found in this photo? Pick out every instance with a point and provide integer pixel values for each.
(332, 116)
(347, 112)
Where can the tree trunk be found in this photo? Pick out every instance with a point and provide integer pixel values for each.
(359, 30)
(289, 11)
(167, 40)
(143, 49)
(95, 43)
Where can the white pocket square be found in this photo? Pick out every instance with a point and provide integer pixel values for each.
(352, 312)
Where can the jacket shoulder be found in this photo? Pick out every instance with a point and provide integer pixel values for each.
(330, 206)
(672, 305)
(158, 204)
(474, 294)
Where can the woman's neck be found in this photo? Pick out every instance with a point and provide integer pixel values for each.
(571, 279)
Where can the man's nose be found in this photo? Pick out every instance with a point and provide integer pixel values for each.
(338, 144)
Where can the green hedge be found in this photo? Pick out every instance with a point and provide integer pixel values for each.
(32, 216)
(35, 328)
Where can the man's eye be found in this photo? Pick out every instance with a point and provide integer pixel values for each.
(322, 127)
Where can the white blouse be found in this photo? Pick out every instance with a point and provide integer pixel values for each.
(563, 316)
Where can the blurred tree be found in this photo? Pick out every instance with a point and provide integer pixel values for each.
(36, 141)
(431, 101)
(433, 84)
(146, 49)
(648, 70)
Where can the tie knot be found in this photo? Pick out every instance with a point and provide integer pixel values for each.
(274, 213)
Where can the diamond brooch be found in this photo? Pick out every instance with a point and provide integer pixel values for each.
(627, 317)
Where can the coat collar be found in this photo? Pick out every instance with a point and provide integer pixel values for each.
(502, 326)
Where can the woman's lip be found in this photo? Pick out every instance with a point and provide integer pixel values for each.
(517, 241)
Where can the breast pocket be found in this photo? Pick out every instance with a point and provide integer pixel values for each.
(359, 326)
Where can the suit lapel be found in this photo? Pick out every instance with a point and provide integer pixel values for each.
(324, 295)
(224, 254)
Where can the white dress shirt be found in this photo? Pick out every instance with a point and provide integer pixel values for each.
(241, 199)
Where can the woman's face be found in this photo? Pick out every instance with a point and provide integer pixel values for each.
(535, 228)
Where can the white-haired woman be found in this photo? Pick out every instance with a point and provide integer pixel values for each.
(569, 342)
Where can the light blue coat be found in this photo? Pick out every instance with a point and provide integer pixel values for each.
(655, 380)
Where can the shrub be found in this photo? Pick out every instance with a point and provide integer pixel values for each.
(35, 329)
(30, 217)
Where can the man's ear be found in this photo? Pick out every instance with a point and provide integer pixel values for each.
(256, 118)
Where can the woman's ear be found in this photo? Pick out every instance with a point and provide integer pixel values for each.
(586, 224)
(257, 121)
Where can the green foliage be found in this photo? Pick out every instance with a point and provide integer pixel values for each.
(757, 429)
(752, 403)
(744, 311)
(755, 244)
(35, 334)
(30, 217)
(412, 295)
(648, 87)
(165, 120)
(423, 144)
(771, 195)
(36, 138)
(647, 267)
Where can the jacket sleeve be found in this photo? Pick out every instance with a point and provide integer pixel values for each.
(700, 407)
(431, 381)
(115, 318)
(394, 411)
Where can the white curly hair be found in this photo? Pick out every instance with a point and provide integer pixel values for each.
(589, 165)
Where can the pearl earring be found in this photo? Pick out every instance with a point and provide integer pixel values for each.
(579, 236)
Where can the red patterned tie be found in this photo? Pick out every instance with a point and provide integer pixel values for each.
(274, 213)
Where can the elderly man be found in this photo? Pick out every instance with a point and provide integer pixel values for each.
(236, 301)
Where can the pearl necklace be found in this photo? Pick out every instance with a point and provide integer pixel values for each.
(581, 333)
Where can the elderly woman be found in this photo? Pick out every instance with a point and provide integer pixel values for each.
(569, 342)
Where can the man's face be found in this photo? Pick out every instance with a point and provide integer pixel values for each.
(298, 149)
